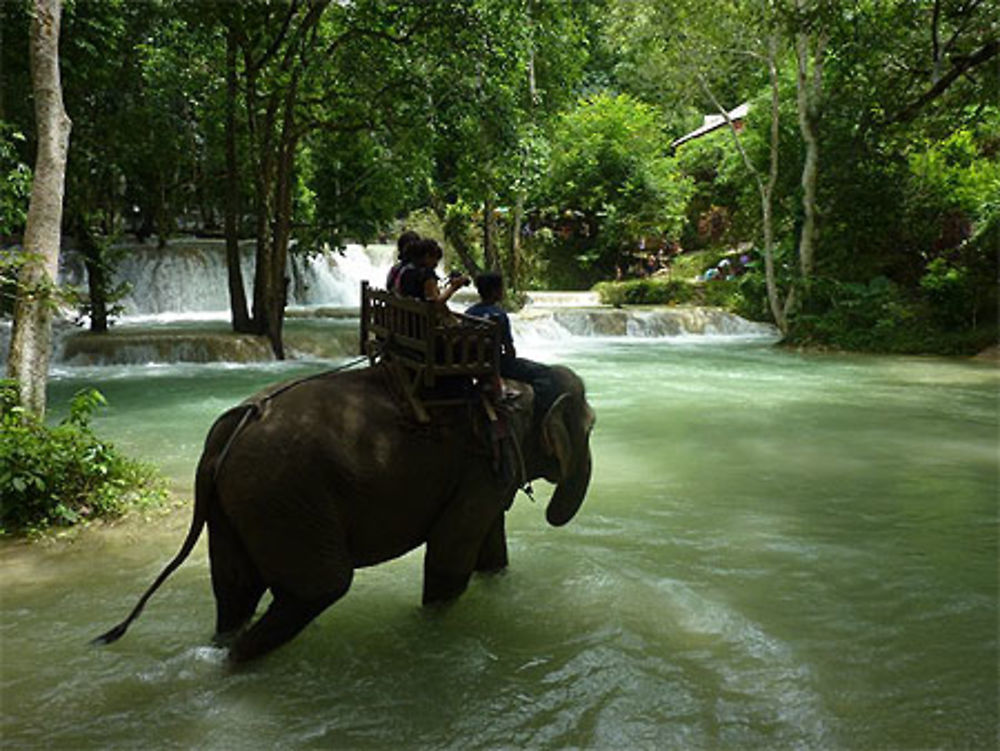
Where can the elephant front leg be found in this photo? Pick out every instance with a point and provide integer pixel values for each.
(453, 552)
(493, 552)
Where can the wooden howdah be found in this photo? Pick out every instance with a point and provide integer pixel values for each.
(423, 343)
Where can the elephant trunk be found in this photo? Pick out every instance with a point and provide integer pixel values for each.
(569, 493)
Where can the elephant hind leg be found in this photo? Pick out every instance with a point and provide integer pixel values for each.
(236, 582)
(286, 617)
(304, 561)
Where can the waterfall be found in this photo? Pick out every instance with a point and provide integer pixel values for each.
(189, 277)
(334, 279)
(536, 324)
(177, 309)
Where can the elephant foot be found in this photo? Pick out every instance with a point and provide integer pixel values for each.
(285, 618)
(441, 587)
(226, 639)
(492, 571)
(492, 564)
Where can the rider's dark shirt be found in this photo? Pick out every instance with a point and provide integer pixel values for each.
(495, 313)
(412, 280)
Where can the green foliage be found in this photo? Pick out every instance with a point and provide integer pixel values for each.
(882, 316)
(740, 296)
(64, 475)
(360, 182)
(950, 187)
(15, 182)
(646, 292)
(610, 184)
(948, 289)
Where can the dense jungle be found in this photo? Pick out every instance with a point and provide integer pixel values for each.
(550, 139)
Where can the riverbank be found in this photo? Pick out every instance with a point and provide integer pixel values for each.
(172, 511)
(878, 317)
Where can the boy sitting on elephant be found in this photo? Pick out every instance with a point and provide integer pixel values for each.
(491, 291)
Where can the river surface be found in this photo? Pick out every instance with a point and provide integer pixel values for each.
(778, 550)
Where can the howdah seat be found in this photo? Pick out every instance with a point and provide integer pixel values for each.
(426, 346)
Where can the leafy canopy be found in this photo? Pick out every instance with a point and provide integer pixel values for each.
(610, 167)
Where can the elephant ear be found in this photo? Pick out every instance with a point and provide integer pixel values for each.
(555, 434)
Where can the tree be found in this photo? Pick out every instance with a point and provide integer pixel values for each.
(732, 50)
(874, 87)
(728, 51)
(610, 183)
(810, 49)
(31, 340)
(494, 83)
(305, 67)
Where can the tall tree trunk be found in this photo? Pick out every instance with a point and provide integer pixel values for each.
(237, 294)
(262, 257)
(809, 90)
(517, 220)
(276, 280)
(779, 310)
(260, 149)
(277, 288)
(31, 341)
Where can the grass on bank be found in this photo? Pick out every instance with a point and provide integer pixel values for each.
(64, 475)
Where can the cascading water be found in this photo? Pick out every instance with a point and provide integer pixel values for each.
(177, 309)
(177, 306)
(190, 277)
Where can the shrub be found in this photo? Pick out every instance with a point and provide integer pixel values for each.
(63, 475)
(645, 292)
(880, 316)
(609, 185)
(733, 295)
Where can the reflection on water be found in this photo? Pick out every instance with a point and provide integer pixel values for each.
(778, 550)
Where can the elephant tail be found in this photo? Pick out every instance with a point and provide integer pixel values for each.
(204, 492)
(197, 523)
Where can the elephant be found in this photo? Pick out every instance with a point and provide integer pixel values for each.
(309, 480)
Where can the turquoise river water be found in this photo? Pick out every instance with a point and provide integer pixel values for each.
(778, 550)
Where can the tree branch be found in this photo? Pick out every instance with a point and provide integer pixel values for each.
(960, 66)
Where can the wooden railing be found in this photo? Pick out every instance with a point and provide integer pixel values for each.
(426, 338)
